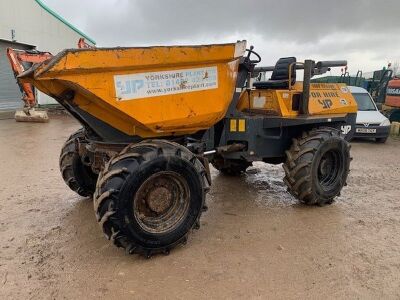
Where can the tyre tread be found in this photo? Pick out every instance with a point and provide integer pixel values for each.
(66, 160)
(299, 162)
(106, 194)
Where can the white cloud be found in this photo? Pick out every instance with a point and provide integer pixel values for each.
(365, 32)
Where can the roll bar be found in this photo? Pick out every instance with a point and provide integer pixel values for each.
(331, 64)
(321, 67)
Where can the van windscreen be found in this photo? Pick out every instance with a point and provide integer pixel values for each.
(364, 101)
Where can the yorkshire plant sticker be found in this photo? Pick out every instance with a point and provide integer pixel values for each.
(151, 84)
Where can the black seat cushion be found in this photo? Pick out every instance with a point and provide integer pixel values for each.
(280, 75)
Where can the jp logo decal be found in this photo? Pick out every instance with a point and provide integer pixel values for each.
(327, 103)
(343, 101)
(345, 129)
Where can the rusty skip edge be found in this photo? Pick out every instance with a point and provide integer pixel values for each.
(73, 50)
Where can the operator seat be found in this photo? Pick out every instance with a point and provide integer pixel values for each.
(280, 75)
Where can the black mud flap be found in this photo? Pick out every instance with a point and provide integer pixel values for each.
(348, 128)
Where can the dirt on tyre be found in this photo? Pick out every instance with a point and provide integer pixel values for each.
(79, 177)
(317, 166)
(150, 196)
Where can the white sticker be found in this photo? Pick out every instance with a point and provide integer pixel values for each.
(151, 84)
(259, 102)
(344, 89)
(393, 91)
(285, 96)
(346, 129)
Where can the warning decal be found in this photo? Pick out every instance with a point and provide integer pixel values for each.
(151, 84)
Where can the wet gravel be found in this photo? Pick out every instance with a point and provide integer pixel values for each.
(255, 241)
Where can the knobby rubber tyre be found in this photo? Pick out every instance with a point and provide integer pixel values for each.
(150, 196)
(79, 178)
(317, 166)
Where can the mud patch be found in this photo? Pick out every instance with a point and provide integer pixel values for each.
(255, 240)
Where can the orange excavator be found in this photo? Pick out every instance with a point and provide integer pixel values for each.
(22, 60)
(391, 106)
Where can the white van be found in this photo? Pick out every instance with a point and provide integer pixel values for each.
(370, 122)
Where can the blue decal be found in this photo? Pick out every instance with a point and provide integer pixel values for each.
(129, 86)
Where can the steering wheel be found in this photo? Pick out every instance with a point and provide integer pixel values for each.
(250, 52)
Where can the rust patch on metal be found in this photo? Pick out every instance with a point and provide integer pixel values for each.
(159, 199)
(161, 202)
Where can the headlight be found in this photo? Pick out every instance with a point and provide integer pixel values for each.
(386, 122)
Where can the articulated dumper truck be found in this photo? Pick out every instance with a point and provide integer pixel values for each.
(153, 118)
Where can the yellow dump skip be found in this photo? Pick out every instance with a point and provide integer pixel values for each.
(146, 91)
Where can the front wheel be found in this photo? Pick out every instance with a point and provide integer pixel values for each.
(150, 196)
(317, 166)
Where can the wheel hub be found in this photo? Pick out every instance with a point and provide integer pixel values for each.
(328, 169)
(159, 199)
(161, 202)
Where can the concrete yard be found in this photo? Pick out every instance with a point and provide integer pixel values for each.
(255, 241)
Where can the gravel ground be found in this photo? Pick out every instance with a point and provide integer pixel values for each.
(255, 241)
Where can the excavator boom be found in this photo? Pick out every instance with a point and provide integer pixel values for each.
(20, 61)
(17, 59)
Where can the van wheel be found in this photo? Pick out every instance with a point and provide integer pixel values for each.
(381, 140)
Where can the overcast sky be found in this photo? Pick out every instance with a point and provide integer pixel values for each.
(365, 32)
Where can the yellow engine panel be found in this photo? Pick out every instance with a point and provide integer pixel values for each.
(153, 91)
(325, 99)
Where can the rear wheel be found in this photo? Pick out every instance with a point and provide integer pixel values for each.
(317, 166)
(79, 177)
(150, 196)
(230, 167)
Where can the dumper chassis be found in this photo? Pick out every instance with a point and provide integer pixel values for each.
(149, 193)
